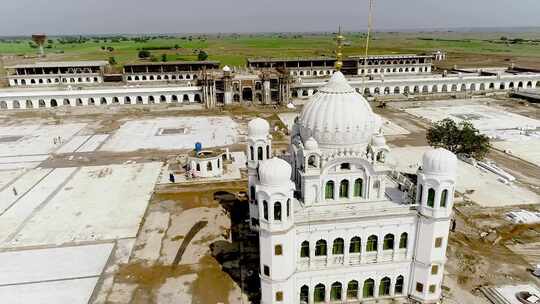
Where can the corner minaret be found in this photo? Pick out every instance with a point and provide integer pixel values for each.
(259, 148)
(274, 194)
(435, 197)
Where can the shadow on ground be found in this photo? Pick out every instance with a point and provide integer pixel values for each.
(240, 257)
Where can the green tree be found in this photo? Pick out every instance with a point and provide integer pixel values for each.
(202, 55)
(112, 60)
(462, 138)
(164, 57)
(144, 54)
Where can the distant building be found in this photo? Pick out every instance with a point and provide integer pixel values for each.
(171, 71)
(333, 225)
(56, 73)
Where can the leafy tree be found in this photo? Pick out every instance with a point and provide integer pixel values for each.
(202, 55)
(462, 138)
(144, 54)
(164, 57)
(110, 49)
(112, 60)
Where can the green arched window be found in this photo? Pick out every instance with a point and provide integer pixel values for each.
(369, 288)
(337, 248)
(304, 249)
(444, 197)
(320, 248)
(356, 245)
(335, 291)
(319, 293)
(358, 184)
(352, 290)
(329, 190)
(431, 197)
(344, 188)
(403, 240)
(384, 287)
(371, 243)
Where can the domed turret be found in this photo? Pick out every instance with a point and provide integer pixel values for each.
(439, 162)
(226, 69)
(258, 128)
(338, 116)
(378, 140)
(275, 172)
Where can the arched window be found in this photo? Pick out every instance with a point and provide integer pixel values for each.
(304, 249)
(388, 243)
(420, 192)
(398, 289)
(337, 248)
(335, 291)
(329, 190)
(251, 153)
(356, 245)
(209, 166)
(444, 197)
(265, 210)
(268, 152)
(319, 293)
(431, 197)
(198, 167)
(304, 294)
(252, 192)
(352, 290)
(218, 163)
(312, 161)
(320, 248)
(369, 288)
(288, 207)
(384, 287)
(403, 240)
(371, 243)
(358, 184)
(344, 188)
(260, 154)
(277, 211)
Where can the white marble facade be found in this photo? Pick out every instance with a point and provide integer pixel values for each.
(333, 225)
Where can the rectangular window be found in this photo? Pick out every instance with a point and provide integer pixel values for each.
(266, 270)
(438, 242)
(345, 166)
(432, 288)
(278, 250)
(279, 296)
(419, 287)
(434, 269)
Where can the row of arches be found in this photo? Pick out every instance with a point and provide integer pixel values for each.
(343, 190)
(432, 88)
(311, 72)
(354, 245)
(260, 153)
(277, 215)
(126, 100)
(391, 62)
(432, 200)
(395, 70)
(54, 80)
(161, 77)
(352, 290)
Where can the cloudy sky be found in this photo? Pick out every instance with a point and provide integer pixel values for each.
(22, 17)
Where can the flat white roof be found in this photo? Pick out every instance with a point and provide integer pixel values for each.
(58, 64)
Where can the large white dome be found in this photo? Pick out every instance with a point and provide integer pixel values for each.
(439, 162)
(275, 172)
(337, 116)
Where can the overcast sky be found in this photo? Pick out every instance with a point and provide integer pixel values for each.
(23, 17)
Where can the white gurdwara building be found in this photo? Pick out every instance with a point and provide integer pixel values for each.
(334, 227)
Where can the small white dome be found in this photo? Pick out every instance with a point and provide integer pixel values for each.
(378, 140)
(439, 161)
(338, 116)
(226, 68)
(275, 172)
(311, 144)
(259, 128)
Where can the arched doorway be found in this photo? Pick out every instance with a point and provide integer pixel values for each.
(247, 94)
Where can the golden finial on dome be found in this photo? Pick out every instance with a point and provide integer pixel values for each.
(339, 54)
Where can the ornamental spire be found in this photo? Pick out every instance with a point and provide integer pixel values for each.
(339, 54)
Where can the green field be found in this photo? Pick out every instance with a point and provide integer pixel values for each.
(234, 49)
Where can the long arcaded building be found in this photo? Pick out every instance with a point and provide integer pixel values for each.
(262, 81)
